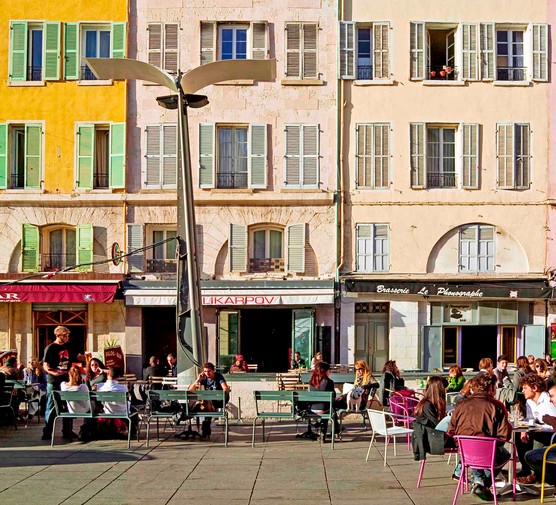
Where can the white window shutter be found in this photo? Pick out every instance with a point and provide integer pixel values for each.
(259, 40)
(310, 55)
(238, 248)
(206, 155)
(310, 167)
(155, 44)
(208, 42)
(540, 52)
(522, 154)
(418, 155)
(381, 51)
(381, 248)
(169, 155)
(470, 54)
(293, 155)
(257, 150)
(417, 36)
(152, 156)
(347, 49)
(295, 261)
(381, 156)
(135, 240)
(505, 155)
(363, 155)
(171, 44)
(488, 60)
(293, 50)
(364, 247)
(470, 155)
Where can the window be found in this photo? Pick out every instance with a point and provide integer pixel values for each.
(450, 345)
(226, 41)
(34, 51)
(100, 156)
(135, 244)
(163, 46)
(513, 152)
(372, 248)
(508, 343)
(84, 40)
(61, 247)
(444, 156)
(302, 156)
(266, 248)
(364, 51)
(232, 156)
(161, 160)
(164, 254)
(301, 51)
(471, 51)
(373, 156)
(476, 248)
(20, 156)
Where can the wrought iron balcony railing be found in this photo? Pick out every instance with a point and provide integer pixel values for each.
(441, 180)
(231, 181)
(267, 265)
(161, 266)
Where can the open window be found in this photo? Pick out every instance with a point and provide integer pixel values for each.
(266, 250)
(21, 156)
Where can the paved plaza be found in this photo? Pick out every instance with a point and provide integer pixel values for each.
(282, 470)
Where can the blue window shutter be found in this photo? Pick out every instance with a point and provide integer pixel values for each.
(118, 40)
(18, 51)
(51, 51)
(71, 51)
(3, 155)
(117, 155)
(85, 247)
(29, 248)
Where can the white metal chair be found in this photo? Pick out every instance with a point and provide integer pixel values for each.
(377, 420)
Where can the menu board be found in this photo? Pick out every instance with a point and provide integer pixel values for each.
(114, 356)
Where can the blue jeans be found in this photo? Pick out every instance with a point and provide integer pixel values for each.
(483, 477)
(534, 459)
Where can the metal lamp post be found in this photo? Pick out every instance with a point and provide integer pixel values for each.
(189, 326)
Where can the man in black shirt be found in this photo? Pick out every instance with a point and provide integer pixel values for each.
(58, 358)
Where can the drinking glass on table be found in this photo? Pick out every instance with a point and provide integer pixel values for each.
(514, 414)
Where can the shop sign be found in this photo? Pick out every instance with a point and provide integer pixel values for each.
(114, 356)
(241, 300)
(459, 313)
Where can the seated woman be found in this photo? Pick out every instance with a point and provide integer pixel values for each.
(321, 381)
(362, 385)
(456, 380)
(317, 358)
(240, 365)
(75, 383)
(35, 376)
(96, 373)
(390, 381)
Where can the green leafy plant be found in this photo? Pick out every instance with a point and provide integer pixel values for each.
(111, 342)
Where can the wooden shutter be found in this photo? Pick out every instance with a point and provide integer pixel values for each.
(152, 156)
(364, 247)
(381, 51)
(381, 156)
(51, 51)
(310, 162)
(364, 147)
(118, 40)
(155, 44)
(417, 35)
(208, 41)
(18, 51)
(117, 155)
(3, 155)
(293, 155)
(540, 52)
(470, 155)
(418, 166)
(505, 155)
(468, 248)
(522, 154)
(29, 248)
(71, 51)
(238, 248)
(293, 50)
(169, 155)
(257, 156)
(135, 240)
(470, 64)
(310, 35)
(295, 261)
(347, 49)
(206, 155)
(171, 44)
(488, 60)
(85, 156)
(33, 156)
(381, 248)
(259, 40)
(84, 236)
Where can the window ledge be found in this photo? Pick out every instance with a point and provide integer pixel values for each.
(430, 82)
(235, 191)
(236, 82)
(107, 82)
(302, 190)
(301, 82)
(16, 84)
(22, 191)
(522, 84)
(373, 82)
(98, 191)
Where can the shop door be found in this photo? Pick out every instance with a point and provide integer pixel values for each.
(372, 343)
(478, 342)
(431, 348)
(303, 323)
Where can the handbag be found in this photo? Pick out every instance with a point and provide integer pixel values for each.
(436, 441)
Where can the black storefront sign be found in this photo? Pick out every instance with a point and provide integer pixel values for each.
(511, 290)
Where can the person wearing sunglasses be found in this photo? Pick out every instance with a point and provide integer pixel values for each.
(541, 368)
(363, 383)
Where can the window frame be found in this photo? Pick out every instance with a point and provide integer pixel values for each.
(442, 144)
(85, 73)
(235, 158)
(510, 56)
(46, 244)
(235, 27)
(525, 180)
(373, 255)
(477, 242)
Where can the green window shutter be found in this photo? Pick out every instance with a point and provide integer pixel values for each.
(33, 156)
(540, 52)
(18, 51)
(295, 261)
(418, 167)
(155, 44)
(293, 50)
(293, 155)
(470, 156)
(238, 248)
(257, 172)
(488, 60)
(71, 51)
(85, 156)
(169, 155)
(347, 49)
(117, 155)
(135, 240)
(505, 155)
(310, 139)
(51, 51)
(208, 42)
(381, 51)
(418, 34)
(84, 251)
(206, 155)
(29, 248)
(259, 40)
(470, 70)
(118, 40)
(3, 155)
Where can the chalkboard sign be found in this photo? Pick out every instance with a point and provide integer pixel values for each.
(114, 356)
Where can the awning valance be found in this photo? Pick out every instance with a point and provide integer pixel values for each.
(58, 293)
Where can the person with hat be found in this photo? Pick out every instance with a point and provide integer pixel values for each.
(239, 365)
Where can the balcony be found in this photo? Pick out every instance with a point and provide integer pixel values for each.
(86, 74)
(161, 266)
(53, 262)
(441, 180)
(511, 73)
(441, 73)
(364, 72)
(100, 180)
(34, 73)
(267, 265)
(231, 181)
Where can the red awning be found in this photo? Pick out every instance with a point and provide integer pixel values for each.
(58, 293)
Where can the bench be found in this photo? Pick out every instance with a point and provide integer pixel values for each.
(200, 395)
(91, 397)
(155, 399)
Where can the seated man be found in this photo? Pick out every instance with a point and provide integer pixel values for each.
(114, 373)
(481, 415)
(298, 361)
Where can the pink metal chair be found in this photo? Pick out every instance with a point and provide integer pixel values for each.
(480, 453)
(403, 407)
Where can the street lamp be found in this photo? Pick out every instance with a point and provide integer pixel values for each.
(189, 326)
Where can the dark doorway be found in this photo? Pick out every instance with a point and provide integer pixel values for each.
(159, 333)
(478, 342)
(266, 338)
(47, 320)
